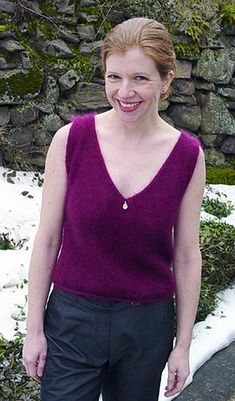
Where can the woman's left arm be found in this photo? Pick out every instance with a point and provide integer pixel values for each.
(187, 269)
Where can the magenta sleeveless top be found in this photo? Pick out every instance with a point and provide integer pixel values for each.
(113, 248)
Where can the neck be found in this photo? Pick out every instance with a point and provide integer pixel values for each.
(147, 126)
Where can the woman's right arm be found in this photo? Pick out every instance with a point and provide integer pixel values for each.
(45, 251)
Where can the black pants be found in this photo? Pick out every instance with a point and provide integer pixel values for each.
(95, 346)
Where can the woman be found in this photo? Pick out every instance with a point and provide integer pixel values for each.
(118, 236)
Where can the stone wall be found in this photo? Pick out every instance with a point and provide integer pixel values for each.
(50, 70)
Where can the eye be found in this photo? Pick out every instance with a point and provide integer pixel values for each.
(112, 77)
(141, 78)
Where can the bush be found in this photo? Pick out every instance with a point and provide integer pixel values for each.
(221, 176)
(216, 207)
(218, 260)
(15, 385)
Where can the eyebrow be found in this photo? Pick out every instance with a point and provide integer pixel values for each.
(135, 73)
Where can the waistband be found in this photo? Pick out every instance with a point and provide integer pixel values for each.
(102, 304)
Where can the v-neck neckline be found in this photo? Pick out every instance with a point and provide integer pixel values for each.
(152, 181)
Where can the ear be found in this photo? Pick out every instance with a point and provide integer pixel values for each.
(166, 82)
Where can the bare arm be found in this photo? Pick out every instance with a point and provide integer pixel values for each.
(187, 269)
(45, 250)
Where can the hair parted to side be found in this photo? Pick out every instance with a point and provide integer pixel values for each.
(149, 35)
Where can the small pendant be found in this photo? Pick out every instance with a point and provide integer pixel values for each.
(125, 205)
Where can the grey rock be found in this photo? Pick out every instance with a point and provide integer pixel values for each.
(65, 6)
(86, 32)
(163, 105)
(68, 80)
(216, 119)
(23, 115)
(89, 97)
(188, 117)
(183, 99)
(232, 41)
(209, 140)
(4, 115)
(206, 86)
(87, 18)
(87, 3)
(90, 48)
(183, 87)
(21, 136)
(11, 45)
(26, 61)
(69, 36)
(177, 38)
(52, 90)
(8, 33)
(231, 105)
(214, 158)
(228, 146)
(183, 69)
(65, 110)
(7, 6)
(230, 30)
(215, 66)
(215, 43)
(46, 108)
(116, 16)
(3, 64)
(42, 138)
(227, 92)
(57, 48)
(52, 123)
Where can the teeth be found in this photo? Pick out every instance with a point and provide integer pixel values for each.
(129, 105)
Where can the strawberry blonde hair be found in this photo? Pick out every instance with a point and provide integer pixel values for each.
(149, 35)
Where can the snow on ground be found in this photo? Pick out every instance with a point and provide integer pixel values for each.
(19, 216)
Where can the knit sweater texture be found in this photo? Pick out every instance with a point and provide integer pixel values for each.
(109, 252)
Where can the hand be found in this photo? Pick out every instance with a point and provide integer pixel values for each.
(178, 371)
(34, 355)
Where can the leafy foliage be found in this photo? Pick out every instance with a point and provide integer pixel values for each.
(15, 385)
(221, 176)
(217, 249)
(216, 207)
(6, 242)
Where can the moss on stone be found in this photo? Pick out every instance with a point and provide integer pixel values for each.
(221, 176)
(21, 82)
(48, 6)
(188, 50)
(90, 10)
(83, 66)
(5, 28)
(48, 30)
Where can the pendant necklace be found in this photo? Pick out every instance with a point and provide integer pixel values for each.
(125, 205)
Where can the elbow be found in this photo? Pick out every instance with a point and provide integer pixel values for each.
(190, 256)
(48, 240)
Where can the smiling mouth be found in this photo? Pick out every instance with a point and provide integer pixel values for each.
(128, 106)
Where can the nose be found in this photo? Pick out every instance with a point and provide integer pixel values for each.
(125, 89)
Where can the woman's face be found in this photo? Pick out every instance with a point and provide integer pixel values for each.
(133, 85)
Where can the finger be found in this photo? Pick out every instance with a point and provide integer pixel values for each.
(171, 380)
(33, 371)
(178, 386)
(41, 364)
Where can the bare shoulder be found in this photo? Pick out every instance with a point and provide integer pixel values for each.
(61, 136)
(59, 142)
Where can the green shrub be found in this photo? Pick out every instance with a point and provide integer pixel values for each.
(6, 242)
(216, 207)
(218, 261)
(15, 385)
(221, 176)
